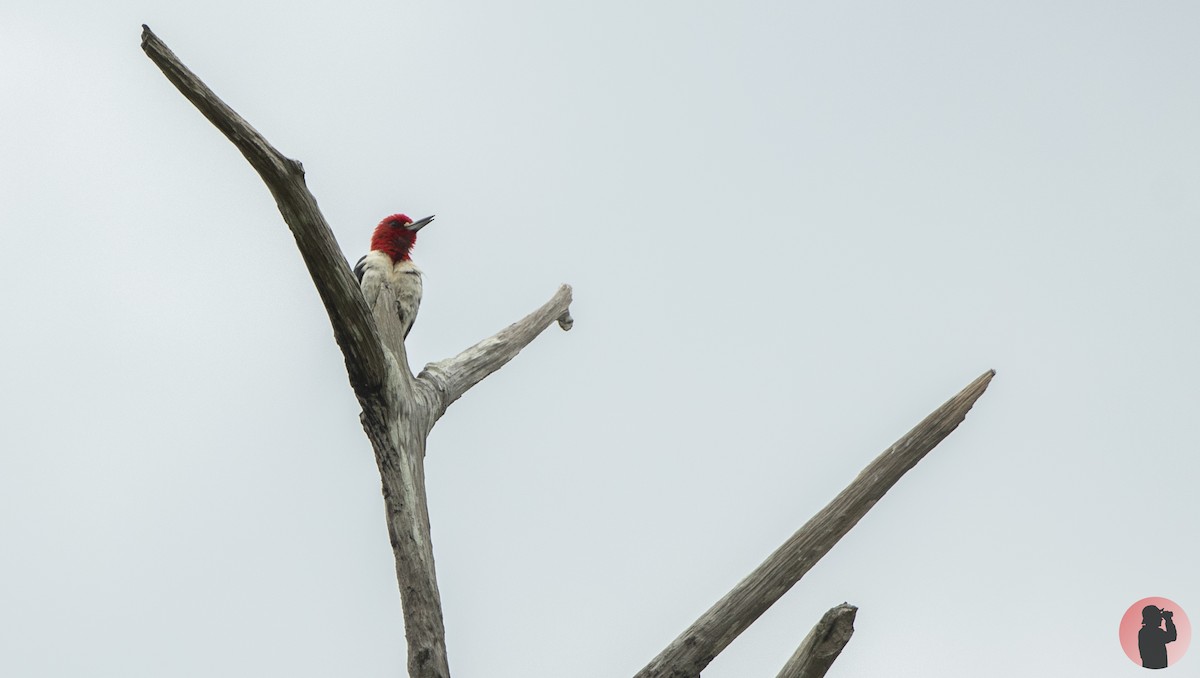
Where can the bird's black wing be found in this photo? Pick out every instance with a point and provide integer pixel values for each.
(360, 268)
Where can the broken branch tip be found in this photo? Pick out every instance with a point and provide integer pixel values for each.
(565, 321)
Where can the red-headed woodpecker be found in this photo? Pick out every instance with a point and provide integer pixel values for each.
(389, 260)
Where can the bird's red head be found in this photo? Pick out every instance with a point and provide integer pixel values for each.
(396, 235)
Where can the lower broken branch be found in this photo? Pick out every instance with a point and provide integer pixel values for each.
(822, 645)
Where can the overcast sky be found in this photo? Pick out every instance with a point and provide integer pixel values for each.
(793, 230)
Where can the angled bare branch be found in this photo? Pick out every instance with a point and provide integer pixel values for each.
(822, 645)
(449, 379)
(688, 654)
(353, 327)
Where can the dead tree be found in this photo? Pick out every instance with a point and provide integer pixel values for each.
(399, 410)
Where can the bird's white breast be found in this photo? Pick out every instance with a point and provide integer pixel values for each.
(403, 272)
(403, 277)
(405, 281)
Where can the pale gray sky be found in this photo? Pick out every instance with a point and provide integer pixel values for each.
(793, 229)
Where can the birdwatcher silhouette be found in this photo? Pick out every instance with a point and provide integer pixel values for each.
(1153, 639)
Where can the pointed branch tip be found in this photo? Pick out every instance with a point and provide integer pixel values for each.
(983, 380)
(709, 635)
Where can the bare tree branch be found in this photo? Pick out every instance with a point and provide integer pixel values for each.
(822, 645)
(398, 409)
(688, 654)
(449, 379)
(399, 445)
(352, 325)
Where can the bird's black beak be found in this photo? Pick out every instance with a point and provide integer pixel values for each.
(418, 225)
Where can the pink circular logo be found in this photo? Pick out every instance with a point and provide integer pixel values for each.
(1155, 633)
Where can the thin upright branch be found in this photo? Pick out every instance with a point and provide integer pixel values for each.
(688, 654)
(822, 645)
(353, 327)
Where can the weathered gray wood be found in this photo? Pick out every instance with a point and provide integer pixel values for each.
(822, 645)
(399, 445)
(348, 313)
(398, 431)
(449, 379)
(398, 409)
(688, 654)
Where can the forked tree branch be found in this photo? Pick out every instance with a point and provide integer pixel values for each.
(352, 325)
(822, 645)
(398, 409)
(688, 654)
